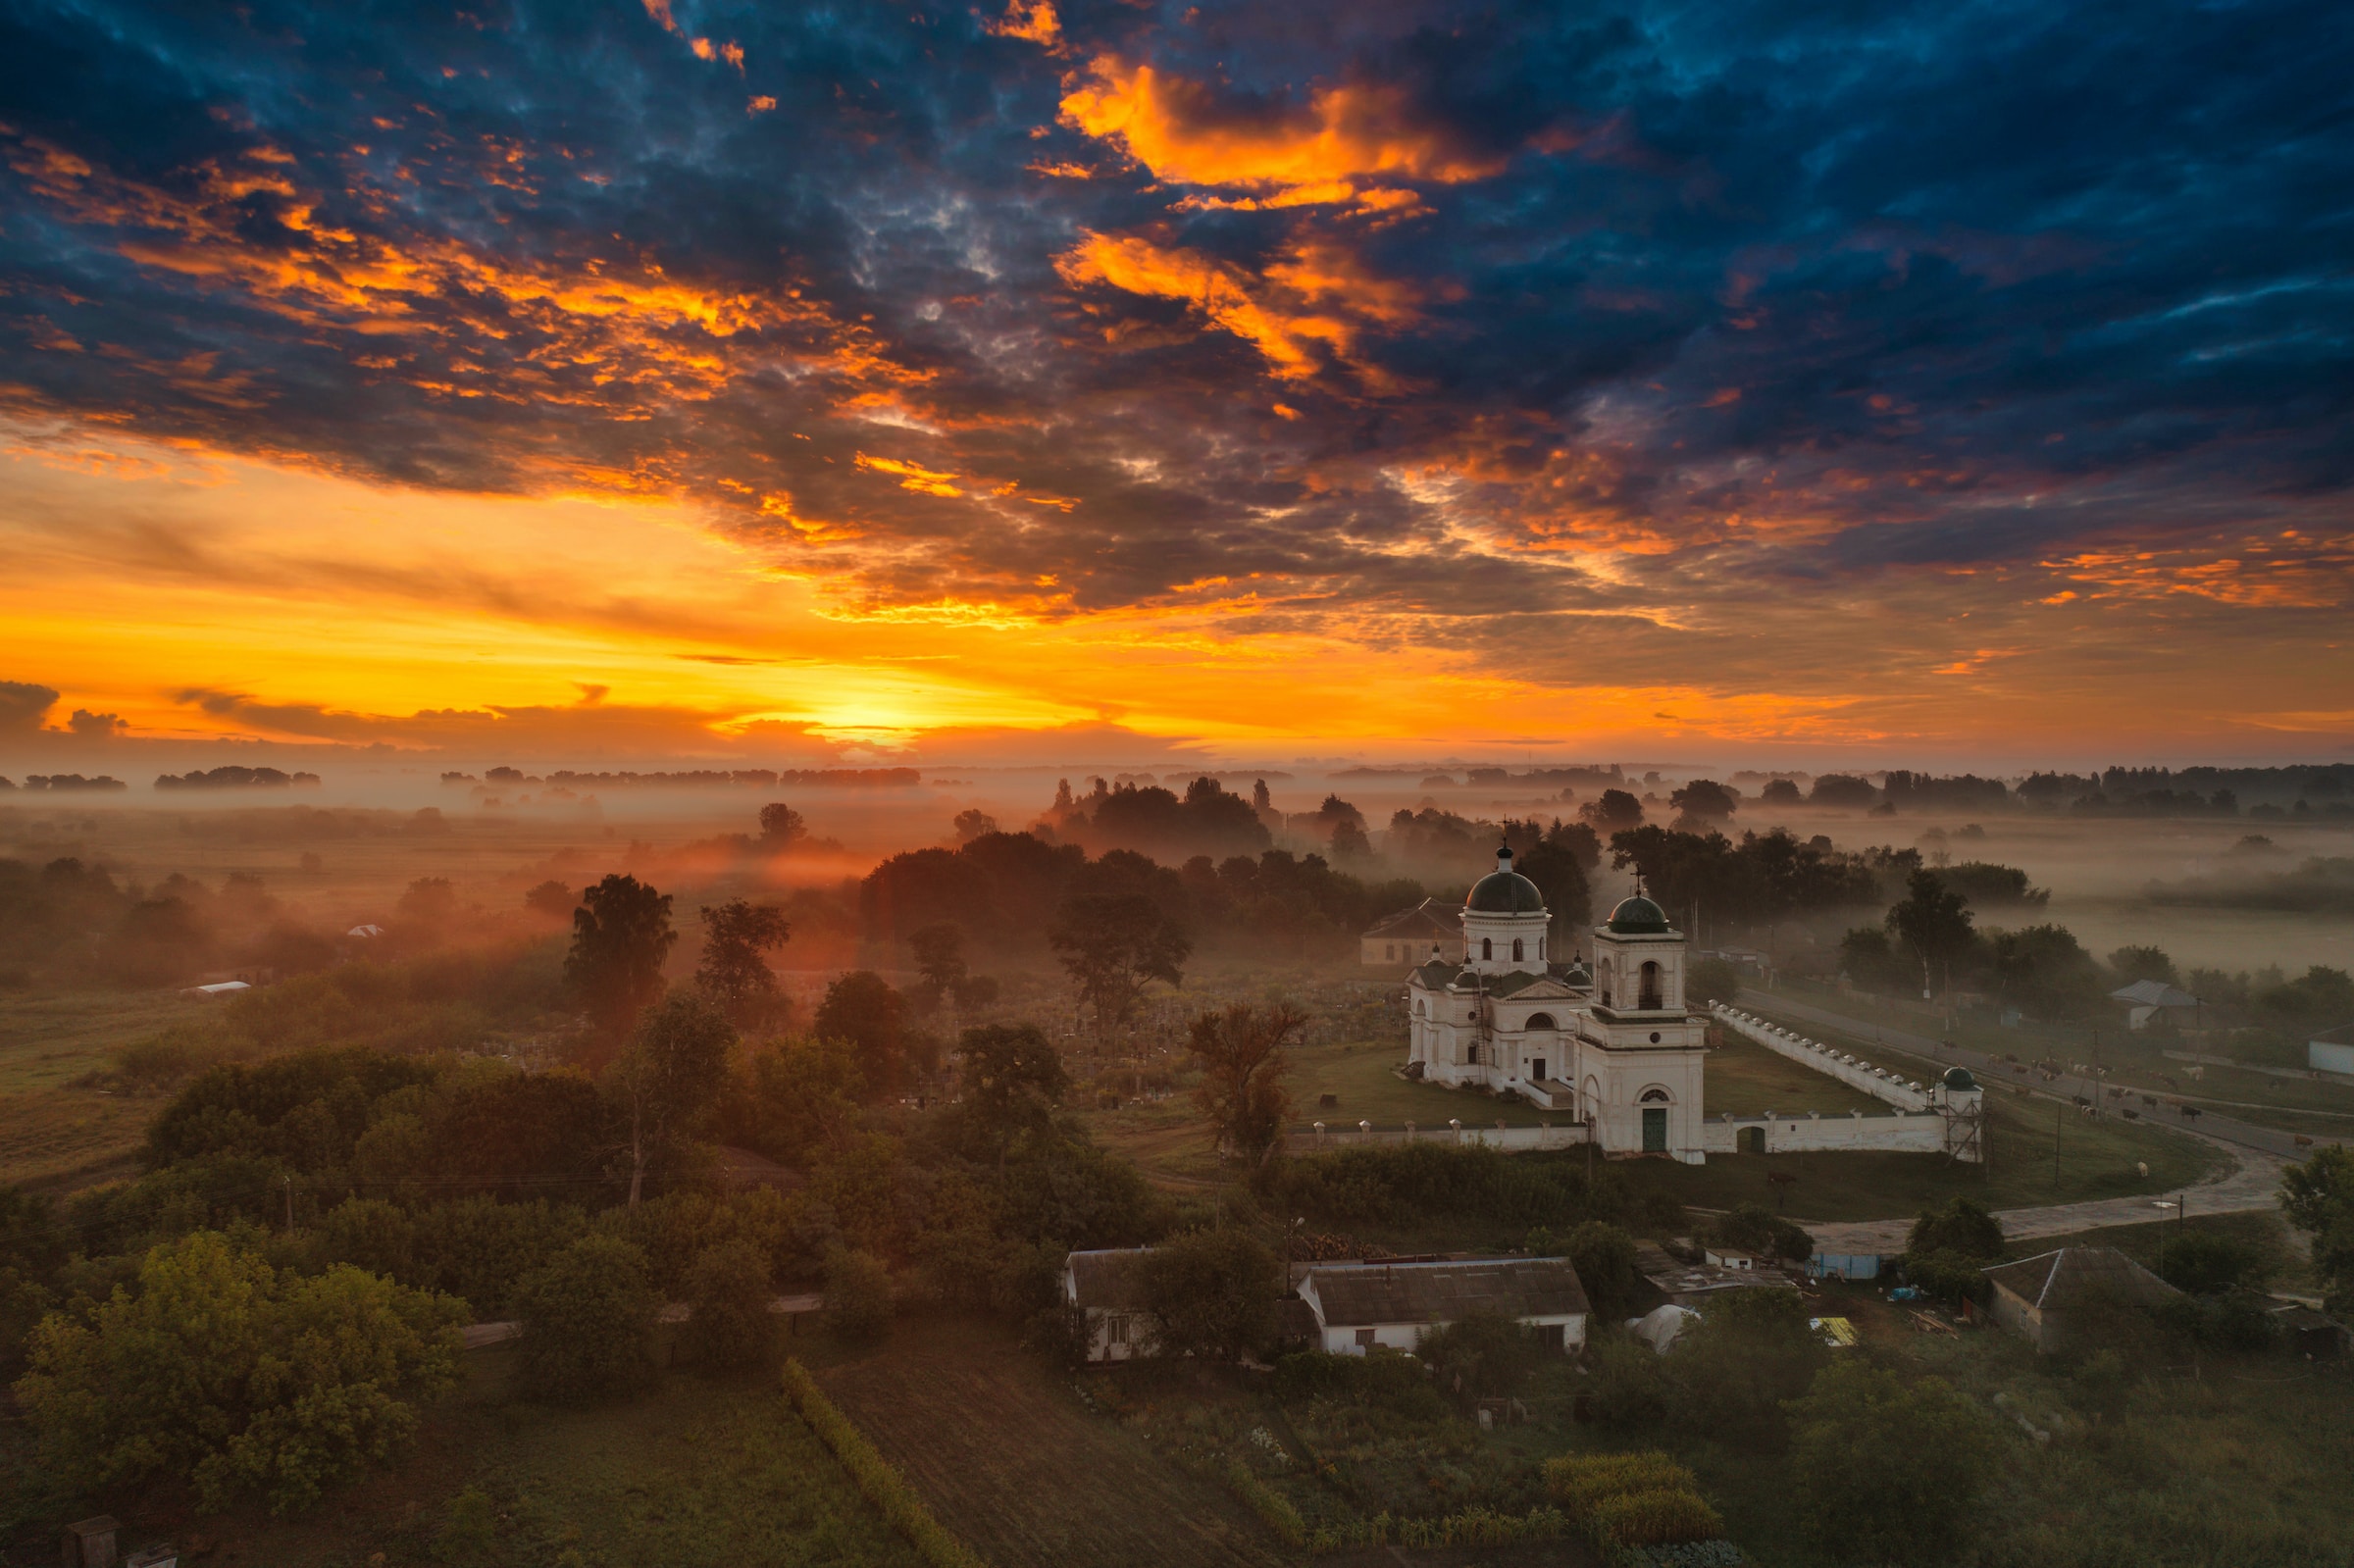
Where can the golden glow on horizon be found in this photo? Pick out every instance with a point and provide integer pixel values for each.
(199, 594)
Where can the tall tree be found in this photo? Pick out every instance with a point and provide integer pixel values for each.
(1113, 948)
(1013, 1079)
(861, 1010)
(621, 937)
(780, 827)
(940, 959)
(1931, 921)
(1244, 1051)
(668, 1078)
(733, 973)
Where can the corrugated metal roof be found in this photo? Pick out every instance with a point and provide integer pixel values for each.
(2153, 993)
(1356, 1294)
(1420, 921)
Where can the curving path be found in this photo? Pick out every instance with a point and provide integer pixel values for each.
(2251, 1186)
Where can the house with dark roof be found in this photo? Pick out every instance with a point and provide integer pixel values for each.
(1432, 929)
(2148, 1001)
(1104, 1289)
(2048, 1298)
(1360, 1305)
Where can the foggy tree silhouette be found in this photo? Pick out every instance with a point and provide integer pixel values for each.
(732, 972)
(621, 937)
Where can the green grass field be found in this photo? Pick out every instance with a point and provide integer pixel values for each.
(54, 1135)
(695, 1473)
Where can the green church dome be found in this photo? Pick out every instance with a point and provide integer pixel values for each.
(1638, 917)
(1504, 891)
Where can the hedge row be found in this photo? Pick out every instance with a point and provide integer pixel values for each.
(876, 1476)
(1271, 1505)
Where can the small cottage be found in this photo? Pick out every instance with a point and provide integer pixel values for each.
(1105, 1291)
(1360, 1305)
(2046, 1297)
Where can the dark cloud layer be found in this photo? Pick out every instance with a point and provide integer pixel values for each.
(1349, 317)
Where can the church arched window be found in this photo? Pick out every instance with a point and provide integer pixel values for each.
(1540, 1021)
(1516, 954)
(1654, 1096)
(1650, 997)
(1487, 948)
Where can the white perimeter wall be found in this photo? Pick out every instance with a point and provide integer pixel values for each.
(1824, 1059)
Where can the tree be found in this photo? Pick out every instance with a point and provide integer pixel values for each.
(2319, 1199)
(1963, 1228)
(972, 822)
(668, 1079)
(1244, 1055)
(858, 1304)
(1866, 958)
(243, 1377)
(1756, 1229)
(780, 827)
(862, 1011)
(801, 1096)
(1715, 979)
(728, 1292)
(621, 937)
(551, 899)
(1885, 1473)
(1013, 1079)
(1781, 793)
(1211, 1294)
(940, 959)
(2142, 963)
(2046, 970)
(585, 1314)
(1705, 800)
(427, 904)
(1935, 923)
(1612, 811)
(1751, 1350)
(1604, 1256)
(1115, 945)
(732, 973)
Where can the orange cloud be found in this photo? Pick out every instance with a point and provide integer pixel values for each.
(1318, 293)
(1034, 21)
(1316, 152)
(912, 475)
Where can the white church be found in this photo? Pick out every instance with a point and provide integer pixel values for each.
(1614, 1044)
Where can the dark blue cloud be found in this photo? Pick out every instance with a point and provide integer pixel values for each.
(1890, 277)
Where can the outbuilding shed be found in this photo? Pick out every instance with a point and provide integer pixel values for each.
(1107, 1290)
(2049, 1299)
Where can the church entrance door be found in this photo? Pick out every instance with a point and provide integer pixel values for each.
(1654, 1130)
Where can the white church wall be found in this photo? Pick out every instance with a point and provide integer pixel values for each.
(1813, 1133)
(1874, 1081)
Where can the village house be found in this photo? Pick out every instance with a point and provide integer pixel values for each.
(1105, 1289)
(1360, 1305)
(1432, 929)
(2049, 1299)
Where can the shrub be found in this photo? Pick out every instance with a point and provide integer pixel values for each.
(1882, 1472)
(858, 1304)
(1963, 1228)
(585, 1314)
(1730, 1372)
(1480, 1355)
(728, 1290)
(1948, 1276)
(369, 1234)
(1630, 1382)
(1661, 1516)
(2204, 1263)
(1754, 1229)
(1384, 1379)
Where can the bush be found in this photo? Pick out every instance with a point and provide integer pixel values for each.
(1385, 1379)
(1630, 1382)
(1730, 1372)
(1882, 1472)
(858, 1305)
(728, 1290)
(1752, 1229)
(1963, 1228)
(239, 1376)
(1480, 1355)
(585, 1316)
(2204, 1263)
(1948, 1276)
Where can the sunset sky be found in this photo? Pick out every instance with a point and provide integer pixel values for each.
(663, 379)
